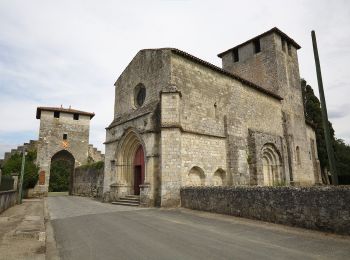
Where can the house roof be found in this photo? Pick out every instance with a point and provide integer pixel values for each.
(224, 72)
(64, 110)
(273, 30)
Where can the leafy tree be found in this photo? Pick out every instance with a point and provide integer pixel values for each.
(14, 164)
(60, 175)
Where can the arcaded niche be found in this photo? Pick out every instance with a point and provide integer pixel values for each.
(181, 121)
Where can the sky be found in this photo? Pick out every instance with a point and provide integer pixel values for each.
(70, 53)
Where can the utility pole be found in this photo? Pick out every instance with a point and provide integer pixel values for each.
(21, 177)
(327, 135)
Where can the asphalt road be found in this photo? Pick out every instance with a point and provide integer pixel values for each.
(87, 229)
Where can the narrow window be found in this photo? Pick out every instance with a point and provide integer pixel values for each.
(65, 136)
(298, 155)
(289, 49)
(56, 114)
(257, 47)
(283, 45)
(235, 55)
(215, 110)
(76, 116)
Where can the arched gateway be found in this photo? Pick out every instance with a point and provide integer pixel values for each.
(61, 171)
(131, 164)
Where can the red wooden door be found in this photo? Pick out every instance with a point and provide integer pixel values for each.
(139, 170)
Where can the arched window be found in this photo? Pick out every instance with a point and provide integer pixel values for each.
(195, 177)
(219, 177)
(139, 95)
(271, 165)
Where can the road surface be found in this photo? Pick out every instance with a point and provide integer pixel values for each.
(88, 229)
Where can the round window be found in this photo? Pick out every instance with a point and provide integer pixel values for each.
(140, 95)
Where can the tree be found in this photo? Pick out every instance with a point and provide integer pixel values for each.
(59, 175)
(312, 108)
(13, 165)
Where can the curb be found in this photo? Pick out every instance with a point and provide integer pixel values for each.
(51, 246)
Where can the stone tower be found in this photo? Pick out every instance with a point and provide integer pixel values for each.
(270, 60)
(64, 135)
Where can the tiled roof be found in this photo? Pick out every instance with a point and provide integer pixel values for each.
(64, 110)
(222, 71)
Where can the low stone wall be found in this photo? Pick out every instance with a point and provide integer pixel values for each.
(7, 199)
(321, 208)
(88, 182)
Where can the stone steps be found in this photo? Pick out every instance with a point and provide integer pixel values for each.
(128, 200)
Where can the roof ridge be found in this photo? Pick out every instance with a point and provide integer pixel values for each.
(227, 73)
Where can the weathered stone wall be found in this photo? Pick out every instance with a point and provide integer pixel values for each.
(313, 154)
(7, 199)
(150, 68)
(217, 107)
(88, 182)
(320, 208)
(276, 69)
(95, 154)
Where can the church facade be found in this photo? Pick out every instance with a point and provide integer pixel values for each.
(181, 121)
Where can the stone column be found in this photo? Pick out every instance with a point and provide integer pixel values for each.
(170, 148)
(15, 180)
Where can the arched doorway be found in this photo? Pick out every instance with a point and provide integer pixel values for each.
(271, 165)
(139, 170)
(61, 171)
(130, 166)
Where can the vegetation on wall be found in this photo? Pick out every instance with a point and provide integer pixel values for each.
(93, 165)
(313, 114)
(14, 163)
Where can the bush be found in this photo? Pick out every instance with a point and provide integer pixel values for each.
(6, 183)
(14, 164)
(95, 165)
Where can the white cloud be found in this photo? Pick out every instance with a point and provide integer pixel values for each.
(71, 52)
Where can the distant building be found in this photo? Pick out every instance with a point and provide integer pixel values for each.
(179, 120)
(63, 135)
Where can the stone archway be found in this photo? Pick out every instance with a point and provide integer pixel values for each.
(219, 177)
(271, 165)
(195, 177)
(61, 171)
(130, 164)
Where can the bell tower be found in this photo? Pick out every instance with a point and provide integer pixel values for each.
(270, 60)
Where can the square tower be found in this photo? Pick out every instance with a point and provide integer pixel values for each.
(63, 134)
(270, 60)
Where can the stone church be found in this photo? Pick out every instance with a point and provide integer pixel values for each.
(182, 121)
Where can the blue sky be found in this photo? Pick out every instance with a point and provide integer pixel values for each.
(56, 53)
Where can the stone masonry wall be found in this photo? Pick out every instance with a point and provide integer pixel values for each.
(321, 208)
(7, 199)
(222, 108)
(88, 182)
